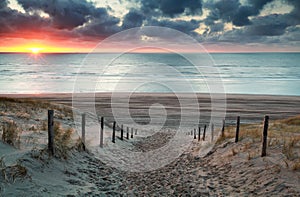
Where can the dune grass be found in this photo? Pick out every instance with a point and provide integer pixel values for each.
(283, 135)
(11, 134)
(10, 174)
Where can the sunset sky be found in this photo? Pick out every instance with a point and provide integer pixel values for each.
(79, 25)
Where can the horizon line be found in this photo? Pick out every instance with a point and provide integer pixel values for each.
(114, 52)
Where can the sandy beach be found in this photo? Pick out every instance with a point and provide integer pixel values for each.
(251, 108)
(229, 169)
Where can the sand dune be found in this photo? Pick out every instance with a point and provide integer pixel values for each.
(230, 169)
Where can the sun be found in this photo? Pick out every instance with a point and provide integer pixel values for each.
(35, 50)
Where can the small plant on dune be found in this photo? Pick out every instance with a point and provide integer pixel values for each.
(44, 125)
(11, 173)
(79, 145)
(10, 134)
(221, 139)
(234, 152)
(296, 165)
(62, 140)
(292, 121)
(287, 149)
(40, 154)
(251, 155)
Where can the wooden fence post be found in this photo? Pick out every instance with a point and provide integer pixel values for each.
(203, 138)
(223, 129)
(127, 133)
(237, 129)
(114, 133)
(83, 130)
(121, 132)
(135, 132)
(50, 132)
(195, 135)
(101, 132)
(199, 132)
(265, 136)
(212, 132)
(131, 133)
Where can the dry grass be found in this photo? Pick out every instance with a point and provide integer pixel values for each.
(31, 105)
(292, 121)
(234, 152)
(10, 134)
(283, 137)
(44, 125)
(289, 147)
(11, 173)
(296, 165)
(79, 145)
(62, 140)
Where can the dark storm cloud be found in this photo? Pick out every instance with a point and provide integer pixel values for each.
(65, 14)
(292, 34)
(270, 25)
(295, 14)
(101, 26)
(14, 22)
(273, 28)
(233, 11)
(82, 19)
(171, 8)
(217, 27)
(184, 26)
(133, 18)
(67, 19)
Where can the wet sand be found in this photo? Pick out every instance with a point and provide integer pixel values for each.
(251, 108)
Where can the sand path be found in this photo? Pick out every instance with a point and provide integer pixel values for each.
(189, 175)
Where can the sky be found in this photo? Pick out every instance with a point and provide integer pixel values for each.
(219, 25)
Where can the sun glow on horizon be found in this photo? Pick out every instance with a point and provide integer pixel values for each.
(42, 48)
(35, 50)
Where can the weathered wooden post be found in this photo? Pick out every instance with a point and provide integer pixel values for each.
(199, 132)
(195, 135)
(203, 138)
(101, 132)
(127, 133)
(122, 132)
(237, 129)
(114, 133)
(135, 132)
(265, 137)
(131, 133)
(212, 132)
(223, 129)
(83, 130)
(50, 132)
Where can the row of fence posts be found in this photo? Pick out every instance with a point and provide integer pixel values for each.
(83, 132)
(237, 131)
(193, 132)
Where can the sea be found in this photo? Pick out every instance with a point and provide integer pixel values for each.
(230, 73)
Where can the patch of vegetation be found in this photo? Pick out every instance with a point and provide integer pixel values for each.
(62, 140)
(288, 148)
(10, 134)
(283, 137)
(292, 121)
(12, 173)
(79, 145)
(296, 165)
